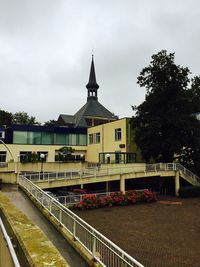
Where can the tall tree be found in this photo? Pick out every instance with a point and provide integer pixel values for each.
(22, 117)
(5, 118)
(164, 124)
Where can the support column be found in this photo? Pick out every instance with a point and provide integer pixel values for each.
(122, 184)
(177, 183)
(107, 187)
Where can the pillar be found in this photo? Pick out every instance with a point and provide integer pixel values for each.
(107, 187)
(177, 183)
(122, 184)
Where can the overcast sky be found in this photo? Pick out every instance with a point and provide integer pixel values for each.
(46, 48)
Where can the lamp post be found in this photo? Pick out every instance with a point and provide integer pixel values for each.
(108, 158)
(42, 157)
(1, 141)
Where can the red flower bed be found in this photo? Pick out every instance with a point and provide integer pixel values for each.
(91, 201)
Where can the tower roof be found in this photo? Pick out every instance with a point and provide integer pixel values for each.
(92, 84)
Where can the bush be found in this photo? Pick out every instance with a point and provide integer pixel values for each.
(189, 191)
(92, 201)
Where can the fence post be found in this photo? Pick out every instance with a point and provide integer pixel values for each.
(74, 228)
(60, 216)
(50, 206)
(94, 245)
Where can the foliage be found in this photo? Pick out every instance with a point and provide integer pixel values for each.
(91, 201)
(166, 129)
(22, 117)
(65, 154)
(5, 118)
(30, 157)
(50, 123)
(189, 191)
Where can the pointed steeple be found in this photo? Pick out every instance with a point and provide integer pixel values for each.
(92, 85)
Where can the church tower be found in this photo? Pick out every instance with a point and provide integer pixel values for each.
(92, 85)
(92, 113)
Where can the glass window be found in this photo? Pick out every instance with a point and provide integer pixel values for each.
(91, 139)
(98, 138)
(72, 139)
(67, 139)
(60, 139)
(47, 138)
(36, 138)
(2, 156)
(26, 156)
(118, 134)
(82, 139)
(20, 137)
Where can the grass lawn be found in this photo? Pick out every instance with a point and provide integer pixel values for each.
(157, 235)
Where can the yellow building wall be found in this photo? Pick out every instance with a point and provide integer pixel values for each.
(15, 150)
(107, 139)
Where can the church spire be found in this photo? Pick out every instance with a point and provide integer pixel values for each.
(92, 85)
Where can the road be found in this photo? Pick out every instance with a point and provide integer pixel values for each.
(22, 202)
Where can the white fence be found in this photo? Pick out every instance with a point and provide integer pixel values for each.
(9, 245)
(102, 249)
(98, 172)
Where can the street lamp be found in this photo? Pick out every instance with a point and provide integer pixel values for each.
(42, 157)
(108, 158)
(1, 141)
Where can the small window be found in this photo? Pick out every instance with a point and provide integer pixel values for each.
(91, 139)
(2, 156)
(118, 134)
(98, 138)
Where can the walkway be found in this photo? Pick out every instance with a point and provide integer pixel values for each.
(26, 206)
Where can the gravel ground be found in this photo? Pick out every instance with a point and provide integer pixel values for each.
(157, 235)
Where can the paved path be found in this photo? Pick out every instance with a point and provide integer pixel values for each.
(26, 206)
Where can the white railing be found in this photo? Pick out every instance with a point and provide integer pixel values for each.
(98, 172)
(172, 167)
(9, 245)
(77, 198)
(101, 248)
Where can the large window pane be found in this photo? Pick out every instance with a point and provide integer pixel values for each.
(35, 138)
(47, 138)
(73, 139)
(20, 137)
(82, 139)
(60, 139)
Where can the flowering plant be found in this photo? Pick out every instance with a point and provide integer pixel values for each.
(91, 201)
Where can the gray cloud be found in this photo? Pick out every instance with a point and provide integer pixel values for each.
(46, 47)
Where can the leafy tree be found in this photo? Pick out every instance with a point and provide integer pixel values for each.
(165, 127)
(22, 117)
(5, 118)
(50, 123)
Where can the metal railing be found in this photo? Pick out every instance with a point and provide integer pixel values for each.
(101, 248)
(172, 167)
(77, 198)
(98, 172)
(9, 245)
